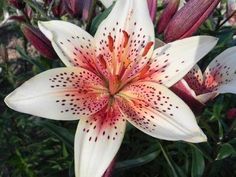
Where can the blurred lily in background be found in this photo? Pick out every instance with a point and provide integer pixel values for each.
(114, 77)
(219, 77)
(152, 6)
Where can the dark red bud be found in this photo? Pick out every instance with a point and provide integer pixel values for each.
(60, 9)
(18, 18)
(39, 41)
(183, 92)
(152, 6)
(19, 4)
(167, 14)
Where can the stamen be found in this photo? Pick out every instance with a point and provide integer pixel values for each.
(102, 61)
(147, 48)
(126, 38)
(144, 71)
(110, 43)
(113, 84)
(127, 62)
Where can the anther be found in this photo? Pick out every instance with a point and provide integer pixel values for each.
(147, 48)
(126, 38)
(110, 43)
(102, 61)
(144, 71)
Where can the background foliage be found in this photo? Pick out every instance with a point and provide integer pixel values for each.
(35, 147)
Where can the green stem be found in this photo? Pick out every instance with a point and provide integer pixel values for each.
(227, 19)
(168, 159)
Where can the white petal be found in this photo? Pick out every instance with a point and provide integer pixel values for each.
(157, 111)
(97, 141)
(73, 45)
(125, 16)
(220, 75)
(174, 60)
(61, 94)
(227, 88)
(203, 98)
(107, 3)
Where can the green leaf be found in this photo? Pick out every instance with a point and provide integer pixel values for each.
(127, 164)
(98, 19)
(169, 160)
(217, 108)
(225, 151)
(198, 163)
(61, 133)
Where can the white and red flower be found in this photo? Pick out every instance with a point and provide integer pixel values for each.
(112, 78)
(219, 77)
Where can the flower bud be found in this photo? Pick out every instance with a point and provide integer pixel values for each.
(171, 6)
(231, 113)
(75, 7)
(152, 6)
(188, 19)
(39, 41)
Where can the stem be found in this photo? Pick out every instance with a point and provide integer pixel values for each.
(227, 19)
(167, 159)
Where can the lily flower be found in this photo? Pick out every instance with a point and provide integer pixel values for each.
(219, 77)
(111, 78)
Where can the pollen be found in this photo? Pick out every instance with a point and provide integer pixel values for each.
(110, 43)
(102, 61)
(147, 48)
